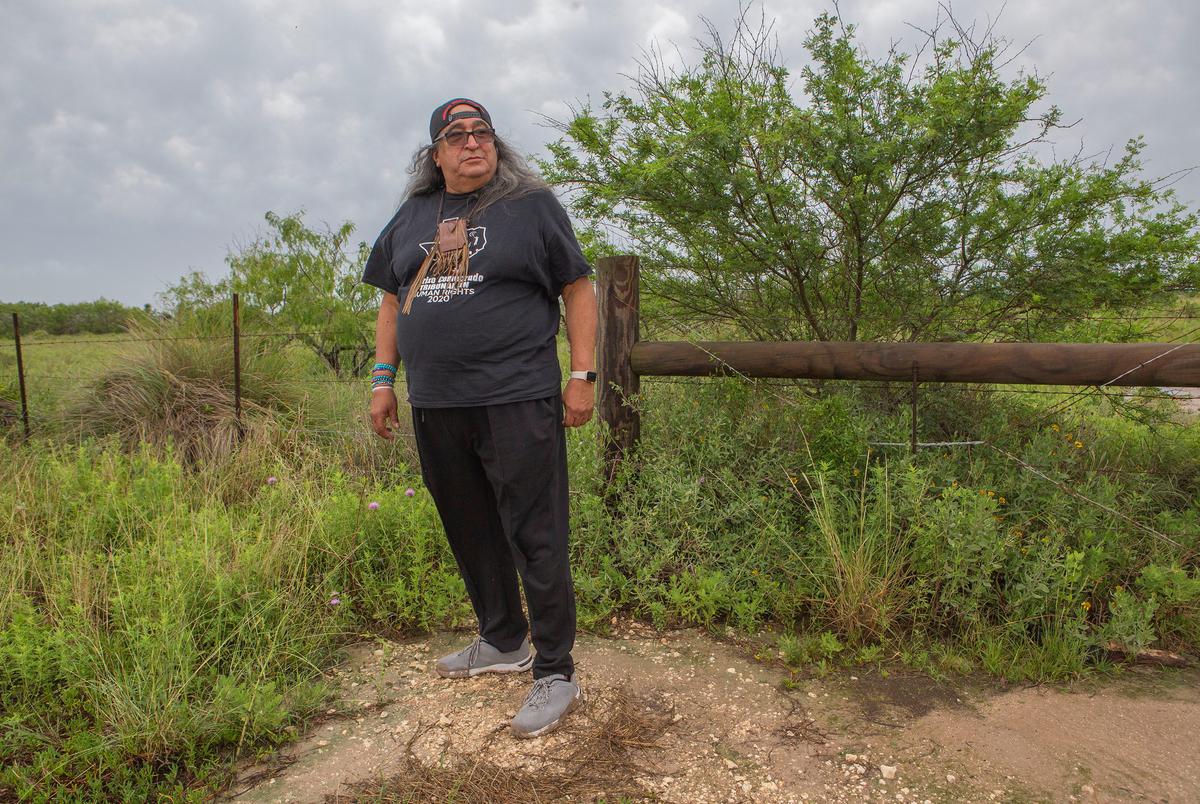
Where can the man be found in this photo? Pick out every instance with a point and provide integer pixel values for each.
(472, 266)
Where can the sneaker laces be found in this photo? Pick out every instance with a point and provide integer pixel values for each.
(472, 652)
(539, 696)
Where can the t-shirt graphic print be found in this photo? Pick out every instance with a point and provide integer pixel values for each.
(441, 289)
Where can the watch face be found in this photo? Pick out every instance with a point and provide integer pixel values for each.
(591, 376)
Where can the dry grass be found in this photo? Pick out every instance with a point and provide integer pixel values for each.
(173, 384)
(600, 762)
(867, 584)
(10, 415)
(799, 727)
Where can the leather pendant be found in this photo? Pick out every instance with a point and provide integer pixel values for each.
(452, 235)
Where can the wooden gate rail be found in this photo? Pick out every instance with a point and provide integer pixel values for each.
(1124, 364)
(623, 359)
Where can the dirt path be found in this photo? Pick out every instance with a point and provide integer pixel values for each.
(684, 718)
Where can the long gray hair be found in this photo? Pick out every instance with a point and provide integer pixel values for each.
(514, 177)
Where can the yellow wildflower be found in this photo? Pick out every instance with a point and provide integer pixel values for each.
(1087, 605)
(1078, 445)
(1003, 501)
(1054, 427)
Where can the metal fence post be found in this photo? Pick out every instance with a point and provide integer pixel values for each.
(21, 373)
(237, 366)
(914, 408)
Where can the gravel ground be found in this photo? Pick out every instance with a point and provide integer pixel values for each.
(728, 729)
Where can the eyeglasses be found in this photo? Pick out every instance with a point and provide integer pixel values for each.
(457, 139)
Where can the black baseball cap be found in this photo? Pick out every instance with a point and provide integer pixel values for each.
(442, 117)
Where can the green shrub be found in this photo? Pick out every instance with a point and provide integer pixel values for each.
(746, 505)
(98, 317)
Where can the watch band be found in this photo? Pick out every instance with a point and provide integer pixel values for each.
(586, 376)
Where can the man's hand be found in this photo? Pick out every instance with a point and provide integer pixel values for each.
(579, 397)
(383, 413)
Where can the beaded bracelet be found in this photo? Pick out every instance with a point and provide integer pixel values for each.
(383, 376)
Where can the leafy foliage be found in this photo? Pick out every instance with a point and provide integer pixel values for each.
(299, 280)
(896, 198)
(99, 317)
(753, 506)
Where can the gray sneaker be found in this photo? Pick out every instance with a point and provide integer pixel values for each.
(548, 703)
(480, 657)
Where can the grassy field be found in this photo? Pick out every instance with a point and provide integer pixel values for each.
(172, 591)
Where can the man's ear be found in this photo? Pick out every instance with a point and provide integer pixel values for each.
(434, 154)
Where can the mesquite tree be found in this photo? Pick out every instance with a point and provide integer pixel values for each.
(298, 283)
(900, 198)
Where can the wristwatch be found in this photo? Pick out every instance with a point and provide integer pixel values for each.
(586, 376)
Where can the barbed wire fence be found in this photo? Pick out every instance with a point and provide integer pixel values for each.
(778, 389)
(31, 418)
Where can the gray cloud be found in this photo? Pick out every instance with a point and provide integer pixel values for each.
(143, 139)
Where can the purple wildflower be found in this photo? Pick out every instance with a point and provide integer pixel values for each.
(409, 492)
(374, 506)
(335, 600)
(272, 480)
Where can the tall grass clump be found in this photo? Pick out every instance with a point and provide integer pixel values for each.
(860, 550)
(174, 383)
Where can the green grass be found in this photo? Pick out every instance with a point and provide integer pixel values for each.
(154, 629)
(55, 366)
(161, 616)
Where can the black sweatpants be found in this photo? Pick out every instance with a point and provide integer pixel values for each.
(498, 475)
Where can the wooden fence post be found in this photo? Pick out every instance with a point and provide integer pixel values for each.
(617, 281)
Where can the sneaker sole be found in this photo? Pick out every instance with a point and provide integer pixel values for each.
(518, 667)
(549, 727)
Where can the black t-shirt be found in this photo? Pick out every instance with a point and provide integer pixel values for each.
(490, 338)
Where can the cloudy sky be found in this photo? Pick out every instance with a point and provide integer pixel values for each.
(141, 140)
